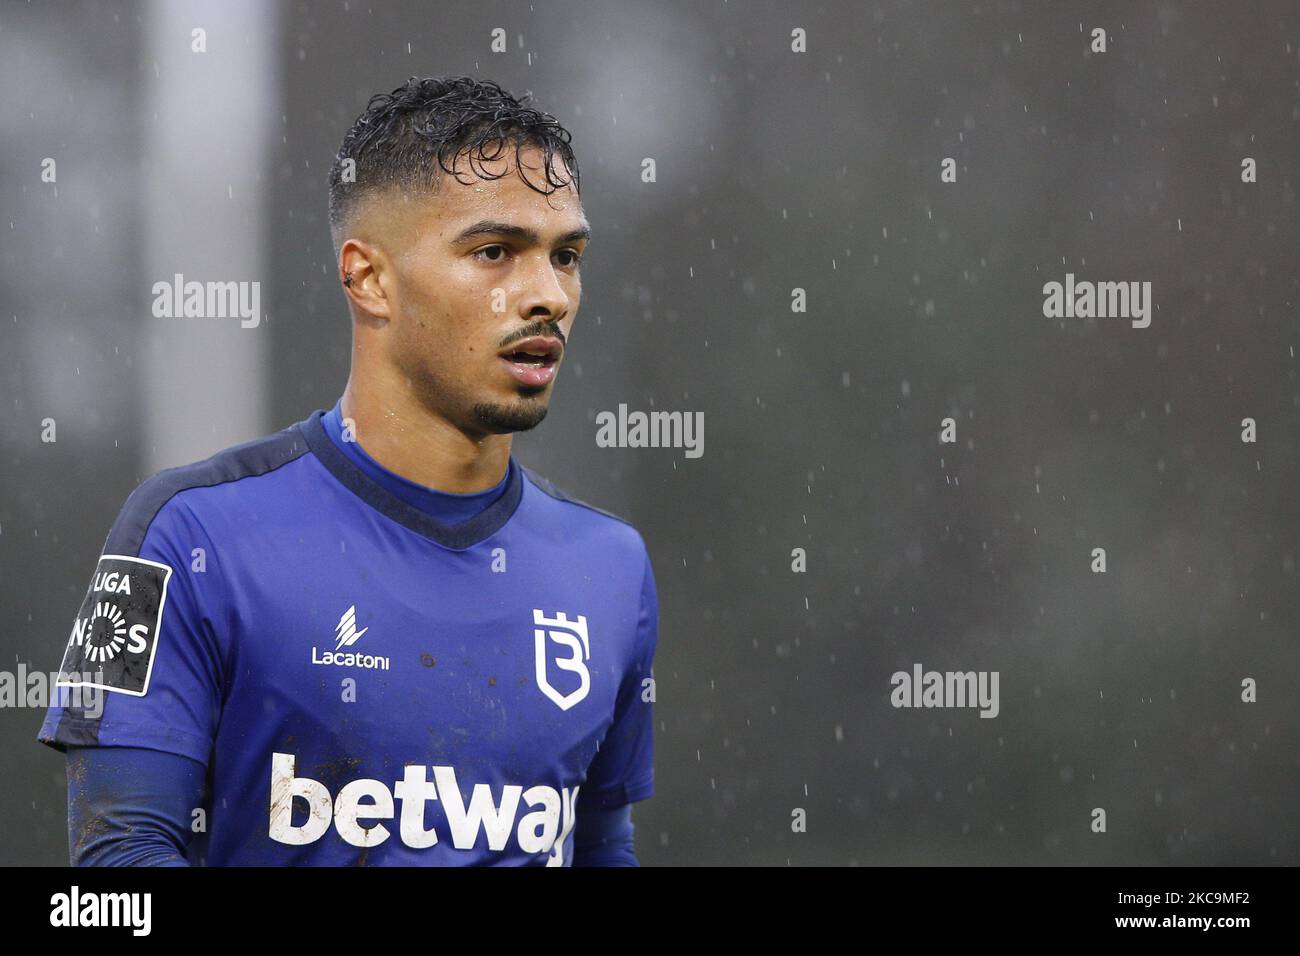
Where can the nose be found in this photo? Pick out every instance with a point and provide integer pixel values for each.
(544, 296)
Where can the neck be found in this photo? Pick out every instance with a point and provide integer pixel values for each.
(409, 439)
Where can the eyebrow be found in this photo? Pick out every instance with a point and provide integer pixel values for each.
(486, 227)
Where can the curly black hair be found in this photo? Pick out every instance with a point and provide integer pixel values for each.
(395, 141)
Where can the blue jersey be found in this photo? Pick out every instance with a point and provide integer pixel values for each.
(363, 682)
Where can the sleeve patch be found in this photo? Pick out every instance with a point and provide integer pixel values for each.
(115, 636)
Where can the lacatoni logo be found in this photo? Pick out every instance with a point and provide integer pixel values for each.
(116, 632)
(346, 634)
(542, 828)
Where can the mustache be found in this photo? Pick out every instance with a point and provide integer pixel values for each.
(537, 328)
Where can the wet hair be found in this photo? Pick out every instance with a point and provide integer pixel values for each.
(400, 135)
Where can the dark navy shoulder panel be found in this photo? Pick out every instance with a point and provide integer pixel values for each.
(560, 495)
(256, 457)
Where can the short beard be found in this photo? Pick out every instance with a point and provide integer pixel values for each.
(491, 418)
(516, 417)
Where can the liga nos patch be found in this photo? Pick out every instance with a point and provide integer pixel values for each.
(115, 635)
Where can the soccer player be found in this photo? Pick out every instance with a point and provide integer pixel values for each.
(374, 637)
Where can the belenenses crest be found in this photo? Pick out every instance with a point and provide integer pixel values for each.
(116, 632)
(570, 635)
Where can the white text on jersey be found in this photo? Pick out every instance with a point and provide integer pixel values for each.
(541, 830)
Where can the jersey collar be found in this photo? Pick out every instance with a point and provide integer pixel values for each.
(457, 537)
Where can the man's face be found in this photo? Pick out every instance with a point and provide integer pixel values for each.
(483, 268)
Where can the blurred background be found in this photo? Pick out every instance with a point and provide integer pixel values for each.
(776, 170)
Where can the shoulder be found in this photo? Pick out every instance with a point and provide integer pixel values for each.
(605, 522)
(157, 500)
(599, 516)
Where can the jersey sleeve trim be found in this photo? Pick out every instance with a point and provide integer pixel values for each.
(607, 798)
(73, 731)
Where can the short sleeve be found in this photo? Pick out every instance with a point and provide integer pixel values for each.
(141, 667)
(623, 769)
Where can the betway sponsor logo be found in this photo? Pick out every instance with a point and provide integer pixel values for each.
(542, 828)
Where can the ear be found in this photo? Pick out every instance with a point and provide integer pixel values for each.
(359, 266)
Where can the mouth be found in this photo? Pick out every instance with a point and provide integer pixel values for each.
(533, 361)
(538, 350)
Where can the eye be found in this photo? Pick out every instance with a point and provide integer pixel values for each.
(478, 253)
(577, 258)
